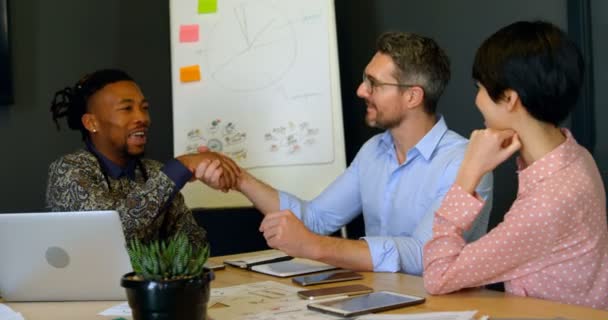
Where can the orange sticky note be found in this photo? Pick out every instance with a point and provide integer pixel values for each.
(188, 33)
(207, 6)
(190, 73)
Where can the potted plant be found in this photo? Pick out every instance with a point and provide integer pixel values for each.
(169, 280)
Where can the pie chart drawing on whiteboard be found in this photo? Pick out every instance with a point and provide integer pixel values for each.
(252, 47)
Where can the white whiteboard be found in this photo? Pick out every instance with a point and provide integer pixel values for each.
(259, 81)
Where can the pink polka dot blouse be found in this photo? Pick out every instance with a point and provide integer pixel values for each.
(552, 243)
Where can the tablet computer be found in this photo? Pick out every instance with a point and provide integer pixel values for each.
(373, 302)
(327, 277)
(322, 293)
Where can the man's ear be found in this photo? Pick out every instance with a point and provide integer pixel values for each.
(90, 122)
(511, 99)
(414, 96)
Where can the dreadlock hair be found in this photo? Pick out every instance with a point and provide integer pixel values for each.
(72, 102)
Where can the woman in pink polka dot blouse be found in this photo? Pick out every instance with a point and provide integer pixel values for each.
(553, 242)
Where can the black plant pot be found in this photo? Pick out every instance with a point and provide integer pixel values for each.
(168, 300)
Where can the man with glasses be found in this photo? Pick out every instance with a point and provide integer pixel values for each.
(397, 180)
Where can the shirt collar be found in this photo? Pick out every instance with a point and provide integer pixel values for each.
(427, 145)
(112, 169)
(554, 161)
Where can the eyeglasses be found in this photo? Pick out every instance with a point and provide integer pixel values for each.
(371, 83)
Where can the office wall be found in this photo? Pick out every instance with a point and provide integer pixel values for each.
(599, 32)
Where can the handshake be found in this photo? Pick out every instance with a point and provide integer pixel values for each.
(214, 169)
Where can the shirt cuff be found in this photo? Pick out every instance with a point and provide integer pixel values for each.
(384, 253)
(177, 172)
(460, 207)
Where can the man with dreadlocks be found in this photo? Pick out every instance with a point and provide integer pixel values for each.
(111, 112)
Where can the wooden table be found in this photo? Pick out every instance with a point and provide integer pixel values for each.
(487, 302)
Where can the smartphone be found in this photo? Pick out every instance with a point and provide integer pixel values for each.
(327, 277)
(214, 266)
(350, 290)
(373, 302)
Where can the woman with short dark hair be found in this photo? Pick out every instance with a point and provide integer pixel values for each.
(553, 242)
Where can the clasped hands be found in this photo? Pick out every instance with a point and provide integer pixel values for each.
(212, 168)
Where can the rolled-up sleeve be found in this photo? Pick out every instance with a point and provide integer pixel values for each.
(402, 254)
(336, 206)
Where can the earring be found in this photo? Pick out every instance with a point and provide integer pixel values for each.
(94, 130)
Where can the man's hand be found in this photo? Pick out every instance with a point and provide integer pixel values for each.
(210, 173)
(487, 149)
(284, 231)
(225, 170)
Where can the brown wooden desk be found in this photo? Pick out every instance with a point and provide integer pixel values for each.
(492, 303)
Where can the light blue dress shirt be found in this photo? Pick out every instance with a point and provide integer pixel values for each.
(398, 201)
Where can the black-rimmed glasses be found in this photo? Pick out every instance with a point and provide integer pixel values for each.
(370, 83)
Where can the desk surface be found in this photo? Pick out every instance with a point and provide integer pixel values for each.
(487, 302)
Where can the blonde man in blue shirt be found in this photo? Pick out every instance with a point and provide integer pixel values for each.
(397, 180)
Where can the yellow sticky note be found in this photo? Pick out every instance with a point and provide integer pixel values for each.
(190, 74)
(207, 6)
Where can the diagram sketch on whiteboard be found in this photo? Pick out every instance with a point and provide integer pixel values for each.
(219, 137)
(292, 138)
(260, 64)
(256, 30)
(264, 95)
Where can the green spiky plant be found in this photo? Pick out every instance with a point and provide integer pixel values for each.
(167, 260)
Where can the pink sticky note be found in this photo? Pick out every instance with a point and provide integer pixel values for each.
(188, 33)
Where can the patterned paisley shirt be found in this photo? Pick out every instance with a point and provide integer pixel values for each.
(149, 209)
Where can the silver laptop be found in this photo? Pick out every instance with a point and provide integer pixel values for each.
(62, 256)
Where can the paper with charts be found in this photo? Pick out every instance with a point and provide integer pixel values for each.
(253, 81)
(266, 300)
